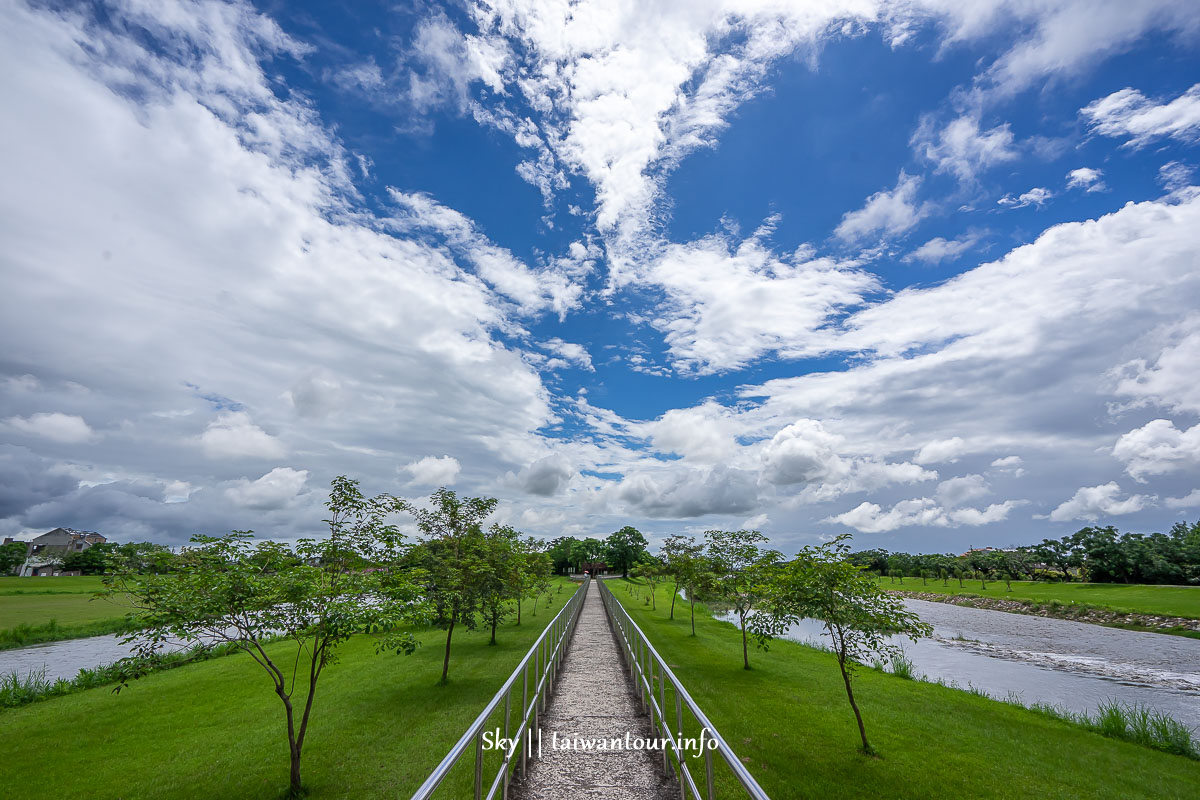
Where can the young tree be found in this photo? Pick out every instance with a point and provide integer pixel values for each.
(453, 555)
(230, 590)
(679, 553)
(740, 571)
(529, 553)
(858, 614)
(624, 548)
(499, 585)
(539, 579)
(653, 572)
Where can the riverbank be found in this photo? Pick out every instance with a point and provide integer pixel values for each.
(1075, 611)
(213, 729)
(40, 610)
(1126, 598)
(789, 721)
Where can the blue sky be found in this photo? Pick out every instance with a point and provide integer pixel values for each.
(924, 272)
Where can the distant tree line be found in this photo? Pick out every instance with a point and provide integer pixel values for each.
(1096, 554)
(619, 551)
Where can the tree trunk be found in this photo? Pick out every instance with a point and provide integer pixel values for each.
(745, 651)
(446, 660)
(693, 618)
(862, 731)
(495, 619)
(673, 601)
(295, 790)
(520, 599)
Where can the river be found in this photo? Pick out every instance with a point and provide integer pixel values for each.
(1074, 665)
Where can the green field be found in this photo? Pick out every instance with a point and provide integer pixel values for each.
(50, 609)
(380, 724)
(788, 719)
(1171, 601)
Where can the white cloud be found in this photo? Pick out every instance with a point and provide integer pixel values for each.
(939, 249)
(889, 213)
(546, 477)
(1129, 114)
(568, 354)
(275, 490)
(1170, 381)
(704, 433)
(731, 302)
(806, 454)
(1036, 196)
(1190, 500)
(234, 435)
(962, 148)
(55, 426)
(1158, 447)
(871, 518)
(1175, 175)
(1086, 178)
(1010, 464)
(1093, 502)
(961, 490)
(434, 470)
(940, 450)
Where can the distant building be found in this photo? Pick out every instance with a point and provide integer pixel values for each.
(43, 555)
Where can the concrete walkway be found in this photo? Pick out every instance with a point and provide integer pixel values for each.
(593, 699)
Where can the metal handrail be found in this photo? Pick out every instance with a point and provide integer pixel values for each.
(546, 654)
(641, 657)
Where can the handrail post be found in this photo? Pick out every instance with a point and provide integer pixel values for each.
(524, 714)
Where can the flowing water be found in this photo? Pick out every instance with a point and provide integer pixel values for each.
(1074, 665)
(65, 659)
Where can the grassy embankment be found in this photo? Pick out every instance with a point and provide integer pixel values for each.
(34, 610)
(1125, 598)
(788, 719)
(380, 724)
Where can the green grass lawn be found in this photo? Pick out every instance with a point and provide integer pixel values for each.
(1173, 601)
(29, 605)
(789, 721)
(214, 729)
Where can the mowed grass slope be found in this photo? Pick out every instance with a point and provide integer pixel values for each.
(36, 610)
(214, 729)
(789, 721)
(1171, 601)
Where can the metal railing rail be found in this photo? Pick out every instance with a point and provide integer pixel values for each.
(545, 656)
(649, 670)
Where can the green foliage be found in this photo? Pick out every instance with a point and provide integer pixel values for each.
(229, 590)
(1096, 554)
(12, 555)
(859, 615)
(653, 572)
(741, 571)
(624, 548)
(687, 567)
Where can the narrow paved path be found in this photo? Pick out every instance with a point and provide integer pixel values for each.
(594, 699)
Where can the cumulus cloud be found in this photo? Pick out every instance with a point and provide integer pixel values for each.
(1190, 500)
(806, 454)
(1158, 447)
(273, 491)
(888, 213)
(234, 435)
(1093, 502)
(1036, 196)
(546, 477)
(52, 425)
(730, 302)
(1086, 178)
(567, 354)
(717, 490)
(1168, 380)
(962, 148)
(939, 249)
(1131, 115)
(872, 518)
(433, 470)
(940, 450)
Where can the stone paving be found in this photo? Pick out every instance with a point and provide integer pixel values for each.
(594, 699)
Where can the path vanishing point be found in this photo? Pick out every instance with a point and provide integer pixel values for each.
(594, 699)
